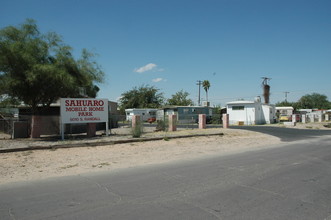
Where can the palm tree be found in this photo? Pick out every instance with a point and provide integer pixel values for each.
(206, 86)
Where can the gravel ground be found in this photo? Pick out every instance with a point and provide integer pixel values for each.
(41, 164)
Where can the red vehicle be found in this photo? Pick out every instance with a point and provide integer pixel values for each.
(151, 120)
(297, 117)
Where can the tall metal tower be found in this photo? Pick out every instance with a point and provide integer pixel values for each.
(266, 89)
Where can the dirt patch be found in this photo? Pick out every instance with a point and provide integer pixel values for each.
(33, 165)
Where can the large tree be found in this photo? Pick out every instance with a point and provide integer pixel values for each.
(314, 100)
(38, 69)
(144, 96)
(180, 99)
(309, 101)
(7, 102)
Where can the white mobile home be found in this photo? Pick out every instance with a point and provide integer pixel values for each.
(285, 110)
(250, 113)
(144, 113)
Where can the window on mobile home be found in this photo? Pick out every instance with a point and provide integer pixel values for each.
(239, 107)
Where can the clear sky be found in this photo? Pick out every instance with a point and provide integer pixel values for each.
(170, 44)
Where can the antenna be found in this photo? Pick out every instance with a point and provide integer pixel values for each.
(265, 80)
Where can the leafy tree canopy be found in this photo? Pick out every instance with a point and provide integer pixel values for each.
(314, 100)
(144, 96)
(6, 101)
(180, 99)
(309, 101)
(206, 86)
(285, 103)
(39, 68)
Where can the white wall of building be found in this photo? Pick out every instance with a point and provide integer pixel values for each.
(285, 110)
(241, 112)
(250, 113)
(144, 113)
(269, 112)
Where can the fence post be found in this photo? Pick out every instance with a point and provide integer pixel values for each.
(91, 129)
(172, 122)
(225, 118)
(36, 126)
(303, 119)
(135, 120)
(202, 121)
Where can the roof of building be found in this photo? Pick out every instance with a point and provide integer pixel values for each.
(285, 108)
(182, 106)
(240, 102)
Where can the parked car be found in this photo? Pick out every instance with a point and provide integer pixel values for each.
(284, 118)
(151, 120)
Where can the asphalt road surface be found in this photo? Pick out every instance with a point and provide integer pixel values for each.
(287, 134)
(292, 181)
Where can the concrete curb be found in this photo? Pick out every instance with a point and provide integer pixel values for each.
(102, 143)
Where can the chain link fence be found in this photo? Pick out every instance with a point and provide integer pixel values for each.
(6, 126)
(50, 125)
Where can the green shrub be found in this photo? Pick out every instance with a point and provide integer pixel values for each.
(137, 131)
(161, 125)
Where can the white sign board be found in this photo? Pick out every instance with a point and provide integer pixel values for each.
(77, 110)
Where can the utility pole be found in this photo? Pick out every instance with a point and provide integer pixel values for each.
(286, 96)
(199, 82)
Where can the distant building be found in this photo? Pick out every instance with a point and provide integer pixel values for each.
(185, 114)
(144, 113)
(250, 112)
(285, 110)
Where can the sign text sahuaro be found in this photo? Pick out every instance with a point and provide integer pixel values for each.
(77, 110)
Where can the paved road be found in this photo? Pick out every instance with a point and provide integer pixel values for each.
(289, 182)
(287, 134)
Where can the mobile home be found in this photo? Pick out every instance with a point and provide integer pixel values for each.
(144, 113)
(250, 113)
(185, 114)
